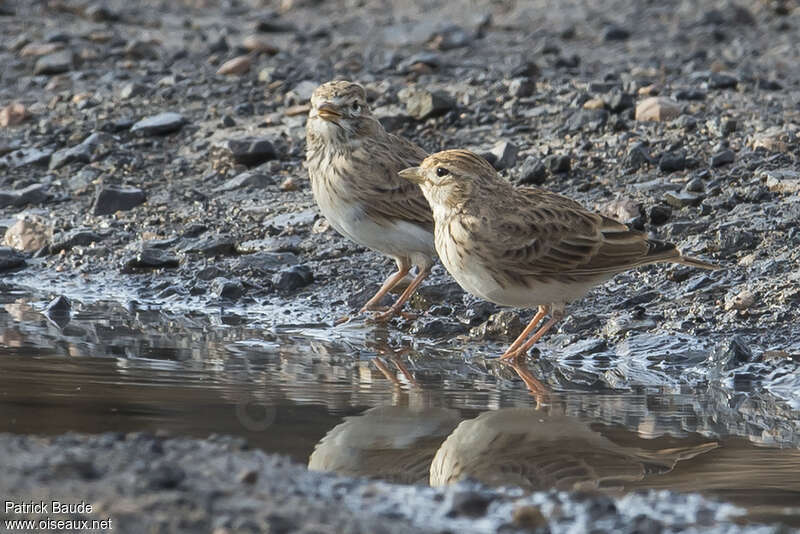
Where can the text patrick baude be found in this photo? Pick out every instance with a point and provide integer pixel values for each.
(45, 507)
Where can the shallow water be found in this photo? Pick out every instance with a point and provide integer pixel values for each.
(365, 401)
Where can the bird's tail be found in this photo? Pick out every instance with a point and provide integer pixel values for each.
(661, 251)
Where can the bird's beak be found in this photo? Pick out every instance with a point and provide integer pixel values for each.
(412, 174)
(328, 112)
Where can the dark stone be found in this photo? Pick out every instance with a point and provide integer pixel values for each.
(292, 278)
(478, 312)
(26, 156)
(526, 69)
(683, 199)
(689, 94)
(718, 80)
(55, 63)
(521, 87)
(558, 163)
(33, 194)
(227, 289)
(591, 119)
(60, 304)
(732, 353)
(435, 327)
(695, 185)
(222, 245)
(152, 258)
(468, 503)
(638, 155)
(533, 172)
(81, 237)
(505, 153)
(567, 62)
(100, 13)
(79, 153)
(265, 262)
(722, 158)
(727, 126)
(161, 124)
(733, 240)
(132, 90)
(672, 161)
(424, 104)
(111, 199)
(252, 179)
(250, 151)
(619, 101)
(659, 214)
(768, 85)
(429, 59)
(10, 259)
(615, 33)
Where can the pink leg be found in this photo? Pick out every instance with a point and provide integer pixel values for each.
(528, 329)
(555, 317)
(402, 271)
(395, 308)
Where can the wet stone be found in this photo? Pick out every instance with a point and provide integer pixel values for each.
(59, 305)
(503, 324)
(161, 124)
(732, 353)
(249, 151)
(55, 63)
(292, 278)
(422, 104)
(659, 215)
(10, 259)
(111, 199)
(152, 258)
(82, 237)
(533, 172)
(723, 157)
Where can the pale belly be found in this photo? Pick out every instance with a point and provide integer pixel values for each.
(475, 277)
(394, 238)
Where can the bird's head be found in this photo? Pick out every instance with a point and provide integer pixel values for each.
(339, 111)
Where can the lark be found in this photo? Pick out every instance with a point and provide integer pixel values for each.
(526, 247)
(353, 164)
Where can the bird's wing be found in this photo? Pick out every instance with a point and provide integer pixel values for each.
(385, 194)
(547, 234)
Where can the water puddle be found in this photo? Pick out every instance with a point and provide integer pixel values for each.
(367, 402)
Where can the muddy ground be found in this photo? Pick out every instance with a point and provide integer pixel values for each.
(131, 170)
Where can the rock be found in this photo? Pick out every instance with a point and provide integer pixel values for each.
(533, 172)
(505, 153)
(526, 69)
(161, 124)
(254, 43)
(265, 262)
(33, 194)
(13, 114)
(220, 245)
(619, 101)
(689, 94)
(82, 237)
(140, 49)
(672, 161)
(152, 258)
(40, 49)
(719, 80)
(55, 63)
(741, 301)
(683, 199)
(249, 151)
(529, 518)
(467, 503)
(291, 219)
(594, 103)
(59, 306)
(132, 90)
(422, 104)
(26, 156)
(236, 66)
(10, 259)
(100, 13)
(29, 234)
(503, 324)
(732, 353)
(250, 179)
(659, 214)
(621, 209)
(723, 157)
(227, 289)
(111, 199)
(773, 139)
(591, 119)
(521, 87)
(289, 184)
(558, 163)
(79, 153)
(422, 63)
(615, 33)
(292, 278)
(768, 85)
(301, 93)
(638, 155)
(695, 185)
(782, 180)
(727, 126)
(657, 108)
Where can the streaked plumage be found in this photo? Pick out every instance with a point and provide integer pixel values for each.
(353, 164)
(525, 247)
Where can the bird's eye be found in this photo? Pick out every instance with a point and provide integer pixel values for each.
(355, 106)
(441, 171)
